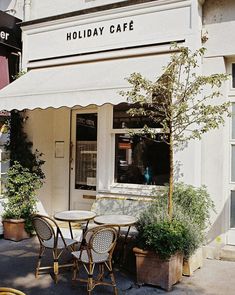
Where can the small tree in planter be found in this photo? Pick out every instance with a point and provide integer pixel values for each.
(20, 191)
(178, 101)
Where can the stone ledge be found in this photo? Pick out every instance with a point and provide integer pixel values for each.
(227, 253)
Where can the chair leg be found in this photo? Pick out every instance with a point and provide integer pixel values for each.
(75, 269)
(41, 251)
(100, 276)
(113, 279)
(55, 265)
(90, 278)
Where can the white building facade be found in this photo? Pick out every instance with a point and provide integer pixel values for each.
(77, 57)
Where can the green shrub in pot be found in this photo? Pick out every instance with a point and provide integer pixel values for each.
(167, 237)
(20, 192)
(193, 201)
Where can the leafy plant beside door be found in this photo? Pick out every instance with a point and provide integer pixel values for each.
(20, 193)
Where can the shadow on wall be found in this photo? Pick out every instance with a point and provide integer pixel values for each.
(221, 224)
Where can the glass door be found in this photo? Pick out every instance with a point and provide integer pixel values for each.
(83, 160)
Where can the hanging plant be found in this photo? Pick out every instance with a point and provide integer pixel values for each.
(20, 148)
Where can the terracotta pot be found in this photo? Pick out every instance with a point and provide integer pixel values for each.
(14, 230)
(154, 271)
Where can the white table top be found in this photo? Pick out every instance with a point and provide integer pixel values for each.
(74, 215)
(122, 220)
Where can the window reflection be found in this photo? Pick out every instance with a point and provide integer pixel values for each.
(141, 160)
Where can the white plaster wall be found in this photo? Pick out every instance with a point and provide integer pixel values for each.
(44, 8)
(219, 22)
(215, 158)
(45, 127)
(40, 131)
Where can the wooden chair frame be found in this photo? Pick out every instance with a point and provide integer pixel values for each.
(10, 291)
(55, 235)
(90, 265)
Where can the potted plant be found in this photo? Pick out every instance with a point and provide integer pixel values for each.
(20, 205)
(162, 244)
(198, 205)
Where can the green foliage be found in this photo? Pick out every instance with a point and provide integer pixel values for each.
(20, 147)
(20, 191)
(186, 231)
(167, 237)
(180, 100)
(194, 201)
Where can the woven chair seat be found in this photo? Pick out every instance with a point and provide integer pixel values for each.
(96, 258)
(60, 244)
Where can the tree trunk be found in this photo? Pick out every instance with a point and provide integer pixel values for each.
(171, 178)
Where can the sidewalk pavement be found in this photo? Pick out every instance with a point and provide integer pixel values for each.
(17, 264)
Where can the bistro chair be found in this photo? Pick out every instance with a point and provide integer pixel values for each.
(10, 291)
(50, 237)
(97, 249)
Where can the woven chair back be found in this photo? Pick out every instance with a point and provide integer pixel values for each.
(103, 240)
(43, 228)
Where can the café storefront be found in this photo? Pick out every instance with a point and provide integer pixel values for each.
(76, 67)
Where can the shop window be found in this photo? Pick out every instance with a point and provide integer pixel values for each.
(139, 159)
(232, 144)
(233, 120)
(232, 210)
(233, 75)
(86, 151)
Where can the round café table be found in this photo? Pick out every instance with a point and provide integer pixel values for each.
(121, 221)
(75, 216)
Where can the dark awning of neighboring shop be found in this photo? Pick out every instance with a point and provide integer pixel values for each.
(76, 84)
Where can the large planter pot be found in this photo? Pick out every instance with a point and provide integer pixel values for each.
(153, 270)
(194, 262)
(13, 229)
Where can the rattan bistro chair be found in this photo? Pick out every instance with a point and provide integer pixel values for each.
(97, 249)
(50, 237)
(10, 291)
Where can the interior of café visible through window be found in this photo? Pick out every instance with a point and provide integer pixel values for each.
(139, 159)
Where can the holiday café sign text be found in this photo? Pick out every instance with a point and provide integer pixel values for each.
(85, 36)
(100, 31)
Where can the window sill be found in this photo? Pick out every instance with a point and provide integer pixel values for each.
(132, 189)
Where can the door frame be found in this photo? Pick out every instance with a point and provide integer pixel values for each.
(72, 151)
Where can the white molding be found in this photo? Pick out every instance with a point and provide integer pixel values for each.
(125, 53)
(146, 7)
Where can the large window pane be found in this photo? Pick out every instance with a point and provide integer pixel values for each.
(121, 118)
(86, 151)
(233, 75)
(233, 121)
(232, 213)
(141, 160)
(233, 164)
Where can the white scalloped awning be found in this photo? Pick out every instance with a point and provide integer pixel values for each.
(77, 84)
